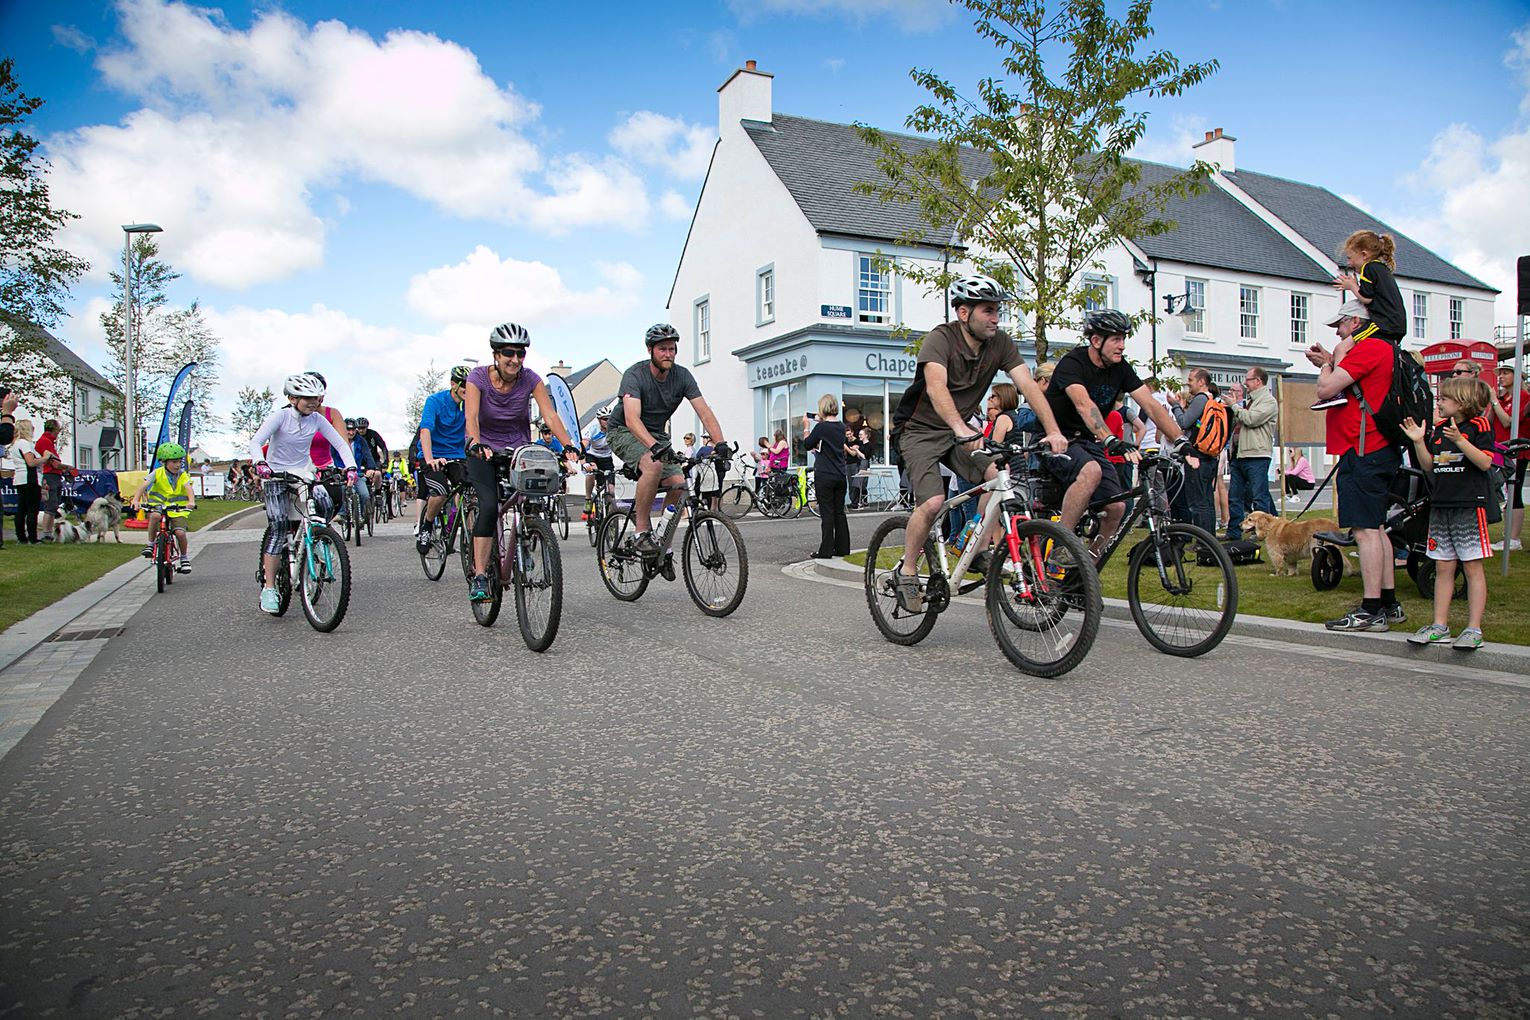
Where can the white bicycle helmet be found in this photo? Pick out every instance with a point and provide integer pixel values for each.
(509, 334)
(304, 384)
(971, 290)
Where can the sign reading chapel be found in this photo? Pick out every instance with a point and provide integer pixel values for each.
(830, 360)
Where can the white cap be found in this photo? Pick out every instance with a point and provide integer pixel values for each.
(1349, 309)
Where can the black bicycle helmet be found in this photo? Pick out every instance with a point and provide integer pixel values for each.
(362, 422)
(351, 423)
(509, 335)
(1107, 322)
(975, 289)
(460, 373)
(659, 332)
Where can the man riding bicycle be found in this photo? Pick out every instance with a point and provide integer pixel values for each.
(442, 436)
(367, 475)
(497, 409)
(957, 363)
(648, 396)
(597, 452)
(1086, 380)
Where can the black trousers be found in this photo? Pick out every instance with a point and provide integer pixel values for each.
(28, 502)
(835, 540)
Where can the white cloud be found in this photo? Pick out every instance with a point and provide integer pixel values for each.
(653, 139)
(673, 206)
(71, 37)
(911, 15)
(484, 289)
(1175, 149)
(241, 129)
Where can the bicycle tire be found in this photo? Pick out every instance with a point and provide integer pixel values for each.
(811, 499)
(1169, 628)
(464, 537)
(487, 611)
(324, 570)
(621, 569)
(371, 516)
(433, 560)
(1044, 624)
(709, 567)
(539, 589)
(563, 520)
(896, 624)
(283, 575)
(157, 554)
(353, 513)
(593, 519)
(735, 502)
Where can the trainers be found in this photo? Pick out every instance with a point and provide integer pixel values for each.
(905, 587)
(1513, 546)
(1432, 634)
(646, 545)
(478, 588)
(980, 563)
(667, 567)
(1394, 613)
(1359, 619)
(148, 551)
(1323, 405)
(1469, 640)
(422, 540)
(270, 601)
(184, 568)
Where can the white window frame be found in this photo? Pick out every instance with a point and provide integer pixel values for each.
(765, 294)
(870, 271)
(701, 327)
(1457, 318)
(1420, 314)
(1195, 323)
(1300, 303)
(1248, 312)
(87, 456)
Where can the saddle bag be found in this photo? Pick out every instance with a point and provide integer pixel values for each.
(1241, 552)
(534, 470)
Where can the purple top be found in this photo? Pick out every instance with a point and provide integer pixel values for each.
(504, 419)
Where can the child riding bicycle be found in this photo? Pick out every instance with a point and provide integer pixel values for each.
(169, 490)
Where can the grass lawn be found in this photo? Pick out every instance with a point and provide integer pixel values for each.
(1293, 598)
(34, 576)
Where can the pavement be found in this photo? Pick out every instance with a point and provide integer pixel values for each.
(774, 814)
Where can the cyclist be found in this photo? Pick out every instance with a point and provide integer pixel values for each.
(367, 464)
(441, 445)
(597, 452)
(374, 440)
(1085, 384)
(284, 442)
(169, 490)
(323, 453)
(497, 407)
(957, 362)
(649, 393)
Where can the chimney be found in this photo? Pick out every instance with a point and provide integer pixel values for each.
(744, 96)
(1219, 149)
(560, 368)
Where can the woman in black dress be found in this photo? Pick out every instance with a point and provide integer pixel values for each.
(826, 436)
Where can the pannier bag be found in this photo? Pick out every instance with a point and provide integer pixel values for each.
(534, 470)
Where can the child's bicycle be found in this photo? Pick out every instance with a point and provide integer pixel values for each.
(162, 552)
(313, 561)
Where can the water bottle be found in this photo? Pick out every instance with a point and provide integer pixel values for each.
(966, 535)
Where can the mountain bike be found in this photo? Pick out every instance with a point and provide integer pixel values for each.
(446, 528)
(600, 504)
(712, 556)
(314, 561)
(1042, 595)
(350, 516)
(524, 553)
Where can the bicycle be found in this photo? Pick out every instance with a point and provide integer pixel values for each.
(600, 504)
(712, 557)
(313, 561)
(1181, 586)
(445, 530)
(737, 499)
(524, 550)
(1042, 597)
(782, 496)
(162, 552)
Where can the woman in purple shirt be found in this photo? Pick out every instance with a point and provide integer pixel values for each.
(497, 409)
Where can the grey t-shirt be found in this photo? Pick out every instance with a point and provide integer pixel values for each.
(660, 398)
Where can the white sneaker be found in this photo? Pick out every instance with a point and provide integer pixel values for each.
(1514, 545)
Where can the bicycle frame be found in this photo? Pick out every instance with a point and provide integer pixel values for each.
(1000, 490)
(1151, 503)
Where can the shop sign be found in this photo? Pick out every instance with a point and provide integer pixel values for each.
(899, 364)
(786, 367)
(1442, 357)
(835, 311)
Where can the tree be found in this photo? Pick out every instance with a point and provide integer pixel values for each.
(155, 332)
(1034, 171)
(428, 382)
(252, 410)
(190, 340)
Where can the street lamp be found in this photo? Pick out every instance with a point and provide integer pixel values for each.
(128, 408)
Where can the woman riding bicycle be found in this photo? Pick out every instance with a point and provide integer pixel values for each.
(498, 409)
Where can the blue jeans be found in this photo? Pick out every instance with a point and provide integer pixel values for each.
(363, 492)
(1250, 484)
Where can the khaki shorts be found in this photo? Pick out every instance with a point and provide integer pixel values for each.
(627, 449)
(924, 449)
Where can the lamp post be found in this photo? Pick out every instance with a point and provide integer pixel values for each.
(130, 425)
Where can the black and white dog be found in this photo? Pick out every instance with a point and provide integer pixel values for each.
(105, 514)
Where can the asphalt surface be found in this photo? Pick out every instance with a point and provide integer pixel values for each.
(775, 814)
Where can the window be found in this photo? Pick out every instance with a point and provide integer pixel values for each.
(84, 402)
(873, 292)
(1457, 317)
(1248, 313)
(1195, 322)
(1101, 292)
(703, 325)
(87, 457)
(1300, 303)
(765, 295)
(1420, 314)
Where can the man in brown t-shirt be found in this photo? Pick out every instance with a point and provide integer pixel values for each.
(957, 363)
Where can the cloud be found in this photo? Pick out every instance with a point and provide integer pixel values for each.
(910, 15)
(673, 206)
(484, 289)
(653, 139)
(241, 130)
(1177, 148)
(72, 38)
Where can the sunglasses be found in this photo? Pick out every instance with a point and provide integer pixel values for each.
(519, 353)
(1463, 371)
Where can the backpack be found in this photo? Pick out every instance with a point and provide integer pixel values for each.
(1213, 428)
(1409, 396)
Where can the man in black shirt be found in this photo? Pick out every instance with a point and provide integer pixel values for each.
(1086, 380)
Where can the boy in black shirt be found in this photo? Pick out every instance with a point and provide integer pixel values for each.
(1457, 452)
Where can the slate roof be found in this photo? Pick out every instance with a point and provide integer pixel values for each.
(61, 355)
(1325, 219)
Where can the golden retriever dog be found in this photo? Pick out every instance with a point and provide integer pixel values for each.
(1288, 542)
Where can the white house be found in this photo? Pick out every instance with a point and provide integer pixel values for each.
(91, 438)
(778, 300)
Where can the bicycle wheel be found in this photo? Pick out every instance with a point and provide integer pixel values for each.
(487, 611)
(373, 512)
(736, 501)
(353, 514)
(812, 498)
(157, 555)
(715, 563)
(1044, 611)
(1182, 590)
(593, 519)
(538, 580)
(433, 559)
(324, 579)
(562, 508)
(776, 502)
(884, 555)
(465, 537)
(283, 575)
(620, 568)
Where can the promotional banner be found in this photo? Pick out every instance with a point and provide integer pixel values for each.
(183, 433)
(563, 403)
(164, 425)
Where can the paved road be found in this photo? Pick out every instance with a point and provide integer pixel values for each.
(777, 814)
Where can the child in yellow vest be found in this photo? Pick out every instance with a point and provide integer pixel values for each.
(169, 490)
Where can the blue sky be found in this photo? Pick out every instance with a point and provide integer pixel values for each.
(362, 187)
